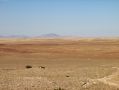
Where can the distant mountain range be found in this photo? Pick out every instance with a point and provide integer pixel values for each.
(51, 35)
(13, 36)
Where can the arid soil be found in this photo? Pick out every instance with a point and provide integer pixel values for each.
(59, 64)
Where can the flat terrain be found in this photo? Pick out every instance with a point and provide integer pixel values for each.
(59, 64)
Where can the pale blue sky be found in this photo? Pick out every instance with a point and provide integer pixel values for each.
(64, 17)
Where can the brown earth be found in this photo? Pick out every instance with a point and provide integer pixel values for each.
(68, 64)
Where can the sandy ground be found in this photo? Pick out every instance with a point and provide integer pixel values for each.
(59, 64)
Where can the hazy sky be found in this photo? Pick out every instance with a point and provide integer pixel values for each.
(64, 17)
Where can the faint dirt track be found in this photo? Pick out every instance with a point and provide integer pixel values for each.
(108, 79)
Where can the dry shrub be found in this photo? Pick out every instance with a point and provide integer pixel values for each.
(28, 66)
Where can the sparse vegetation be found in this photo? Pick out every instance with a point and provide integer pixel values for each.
(67, 76)
(42, 67)
(59, 89)
(28, 66)
(65, 64)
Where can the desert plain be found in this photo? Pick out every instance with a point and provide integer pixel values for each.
(59, 64)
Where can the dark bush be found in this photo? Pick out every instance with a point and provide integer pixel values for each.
(59, 89)
(28, 66)
(42, 67)
(67, 76)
